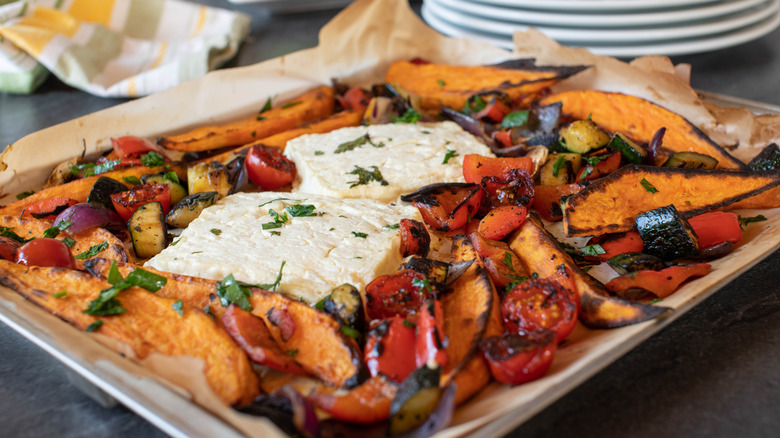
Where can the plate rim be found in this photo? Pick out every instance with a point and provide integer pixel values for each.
(596, 5)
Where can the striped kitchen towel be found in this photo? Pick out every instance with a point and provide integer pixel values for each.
(114, 48)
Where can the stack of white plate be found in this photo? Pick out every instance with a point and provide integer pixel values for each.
(623, 28)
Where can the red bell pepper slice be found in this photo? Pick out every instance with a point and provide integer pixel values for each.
(547, 199)
(389, 348)
(501, 221)
(615, 244)
(447, 206)
(604, 167)
(661, 283)
(126, 203)
(415, 239)
(48, 208)
(365, 404)
(476, 167)
(431, 343)
(494, 111)
(716, 227)
(354, 99)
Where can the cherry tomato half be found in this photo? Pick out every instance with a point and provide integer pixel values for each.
(415, 239)
(45, 252)
(132, 147)
(516, 358)
(268, 168)
(540, 304)
(398, 294)
(126, 203)
(390, 348)
(8, 247)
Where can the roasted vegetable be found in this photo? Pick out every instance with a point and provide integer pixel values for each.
(666, 234)
(767, 159)
(102, 190)
(639, 120)
(631, 151)
(691, 160)
(149, 324)
(715, 227)
(209, 177)
(661, 283)
(635, 261)
(390, 348)
(560, 169)
(537, 248)
(148, 231)
(516, 358)
(320, 346)
(178, 192)
(309, 106)
(610, 204)
(189, 208)
(416, 399)
(345, 304)
(446, 206)
(435, 271)
(547, 199)
(582, 136)
(415, 239)
(446, 85)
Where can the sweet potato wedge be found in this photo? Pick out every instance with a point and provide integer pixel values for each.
(79, 189)
(339, 120)
(767, 199)
(150, 324)
(611, 204)
(34, 228)
(451, 85)
(538, 248)
(322, 349)
(639, 119)
(312, 105)
(471, 309)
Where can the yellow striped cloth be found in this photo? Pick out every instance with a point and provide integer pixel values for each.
(114, 48)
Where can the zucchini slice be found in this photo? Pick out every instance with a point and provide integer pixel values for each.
(767, 159)
(345, 304)
(209, 177)
(434, 270)
(635, 261)
(102, 190)
(189, 208)
(148, 231)
(560, 169)
(582, 136)
(178, 192)
(415, 400)
(627, 148)
(666, 234)
(691, 160)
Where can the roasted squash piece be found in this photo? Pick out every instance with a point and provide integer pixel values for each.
(312, 105)
(449, 85)
(610, 204)
(339, 120)
(113, 248)
(471, 312)
(149, 325)
(538, 248)
(639, 120)
(321, 348)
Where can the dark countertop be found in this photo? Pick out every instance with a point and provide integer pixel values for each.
(713, 372)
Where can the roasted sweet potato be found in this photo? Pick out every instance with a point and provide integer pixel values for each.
(639, 119)
(79, 189)
(34, 228)
(321, 348)
(471, 309)
(539, 249)
(611, 204)
(339, 120)
(149, 325)
(451, 86)
(312, 105)
(767, 199)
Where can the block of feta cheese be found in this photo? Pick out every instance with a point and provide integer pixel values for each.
(381, 162)
(323, 241)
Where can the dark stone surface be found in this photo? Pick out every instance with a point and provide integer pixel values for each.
(713, 372)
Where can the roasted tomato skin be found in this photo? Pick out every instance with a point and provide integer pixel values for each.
(268, 168)
(126, 203)
(48, 208)
(45, 252)
(396, 294)
(431, 343)
(516, 358)
(390, 348)
(132, 147)
(8, 247)
(476, 167)
(447, 206)
(515, 187)
(540, 304)
(415, 239)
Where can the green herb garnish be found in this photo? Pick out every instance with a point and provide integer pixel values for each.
(132, 180)
(744, 221)
(365, 176)
(349, 331)
(352, 144)
(559, 164)
(300, 210)
(153, 159)
(391, 226)
(279, 199)
(410, 116)
(215, 231)
(94, 326)
(60, 294)
(450, 154)
(409, 324)
(9, 233)
(23, 195)
(92, 251)
(515, 118)
(277, 282)
(231, 291)
(358, 234)
(441, 82)
(592, 250)
(318, 153)
(649, 187)
(422, 283)
(291, 353)
(267, 106)
(291, 104)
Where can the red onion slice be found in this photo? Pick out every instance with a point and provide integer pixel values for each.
(86, 216)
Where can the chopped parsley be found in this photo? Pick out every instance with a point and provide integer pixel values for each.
(508, 260)
(276, 233)
(231, 291)
(278, 199)
(291, 104)
(515, 118)
(279, 220)
(360, 235)
(656, 300)
(559, 164)
(410, 116)
(94, 326)
(409, 324)
(277, 282)
(60, 294)
(451, 153)
(649, 187)
(92, 251)
(595, 160)
(744, 221)
(132, 180)
(106, 302)
(422, 283)
(153, 159)
(592, 250)
(474, 104)
(352, 144)
(349, 331)
(301, 210)
(23, 195)
(178, 307)
(391, 226)
(91, 169)
(9, 233)
(267, 106)
(441, 82)
(171, 176)
(215, 231)
(366, 175)
(318, 153)
(291, 353)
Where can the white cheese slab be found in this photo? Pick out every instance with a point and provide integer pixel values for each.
(320, 252)
(408, 156)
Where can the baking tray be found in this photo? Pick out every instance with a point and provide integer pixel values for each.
(109, 378)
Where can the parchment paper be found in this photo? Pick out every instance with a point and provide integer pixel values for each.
(356, 47)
